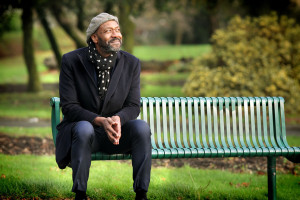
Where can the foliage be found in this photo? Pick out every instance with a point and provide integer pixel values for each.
(251, 57)
(9, 21)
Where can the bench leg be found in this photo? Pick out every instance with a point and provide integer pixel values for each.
(271, 177)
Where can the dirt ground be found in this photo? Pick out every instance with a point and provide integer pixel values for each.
(44, 146)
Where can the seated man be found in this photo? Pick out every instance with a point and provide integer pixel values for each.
(99, 87)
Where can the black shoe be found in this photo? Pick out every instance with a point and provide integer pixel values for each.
(80, 195)
(141, 195)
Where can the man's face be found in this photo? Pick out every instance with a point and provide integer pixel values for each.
(108, 37)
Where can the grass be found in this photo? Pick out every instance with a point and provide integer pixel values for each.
(163, 78)
(293, 140)
(161, 91)
(26, 131)
(39, 177)
(170, 52)
(26, 105)
(29, 105)
(13, 69)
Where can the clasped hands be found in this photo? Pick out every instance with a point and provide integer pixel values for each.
(112, 127)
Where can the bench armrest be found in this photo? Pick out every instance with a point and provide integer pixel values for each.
(55, 116)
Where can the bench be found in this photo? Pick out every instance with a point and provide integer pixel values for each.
(197, 127)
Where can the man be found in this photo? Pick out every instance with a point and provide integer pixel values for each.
(99, 88)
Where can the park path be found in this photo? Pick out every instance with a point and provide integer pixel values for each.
(30, 122)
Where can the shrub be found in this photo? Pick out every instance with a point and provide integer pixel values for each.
(251, 57)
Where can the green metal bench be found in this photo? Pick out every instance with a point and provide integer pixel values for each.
(200, 127)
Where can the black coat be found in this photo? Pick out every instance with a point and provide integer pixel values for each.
(79, 95)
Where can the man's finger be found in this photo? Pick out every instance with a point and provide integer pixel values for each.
(112, 139)
(111, 121)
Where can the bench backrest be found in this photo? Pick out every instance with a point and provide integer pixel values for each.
(211, 127)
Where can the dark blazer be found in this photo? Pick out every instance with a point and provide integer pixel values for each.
(79, 95)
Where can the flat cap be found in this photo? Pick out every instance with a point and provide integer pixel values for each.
(97, 21)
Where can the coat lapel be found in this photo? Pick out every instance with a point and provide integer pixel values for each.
(90, 70)
(114, 80)
(88, 66)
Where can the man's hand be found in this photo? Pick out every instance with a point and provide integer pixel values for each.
(112, 127)
(117, 125)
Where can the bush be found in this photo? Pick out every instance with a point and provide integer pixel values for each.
(251, 57)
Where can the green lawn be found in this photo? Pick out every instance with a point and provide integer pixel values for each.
(28, 176)
(26, 105)
(13, 69)
(26, 131)
(170, 52)
(23, 105)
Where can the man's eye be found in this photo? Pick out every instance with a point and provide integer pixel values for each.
(108, 31)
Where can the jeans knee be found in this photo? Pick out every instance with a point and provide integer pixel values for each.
(83, 131)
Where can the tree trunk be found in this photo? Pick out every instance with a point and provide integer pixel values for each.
(34, 84)
(109, 7)
(62, 18)
(127, 25)
(80, 15)
(51, 37)
(178, 35)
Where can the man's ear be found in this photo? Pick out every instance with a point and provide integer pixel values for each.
(94, 38)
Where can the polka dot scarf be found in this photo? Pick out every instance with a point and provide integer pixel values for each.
(103, 67)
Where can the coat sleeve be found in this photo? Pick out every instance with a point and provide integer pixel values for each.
(131, 107)
(71, 108)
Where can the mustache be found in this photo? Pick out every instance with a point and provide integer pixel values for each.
(114, 39)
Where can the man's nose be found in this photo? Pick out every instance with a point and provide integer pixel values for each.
(115, 33)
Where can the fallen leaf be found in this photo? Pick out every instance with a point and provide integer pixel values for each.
(3, 176)
(245, 184)
(261, 173)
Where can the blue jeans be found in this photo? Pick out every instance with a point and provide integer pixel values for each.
(135, 139)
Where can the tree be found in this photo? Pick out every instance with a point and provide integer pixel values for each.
(126, 10)
(28, 8)
(42, 16)
(180, 13)
(34, 83)
(81, 14)
(62, 15)
(128, 27)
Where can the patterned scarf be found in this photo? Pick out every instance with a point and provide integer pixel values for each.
(103, 67)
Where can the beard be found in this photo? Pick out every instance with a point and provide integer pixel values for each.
(108, 47)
